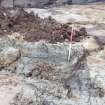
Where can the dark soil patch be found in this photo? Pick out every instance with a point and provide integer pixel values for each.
(34, 28)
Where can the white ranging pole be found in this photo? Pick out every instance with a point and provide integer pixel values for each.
(70, 45)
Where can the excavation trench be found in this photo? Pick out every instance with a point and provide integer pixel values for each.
(44, 73)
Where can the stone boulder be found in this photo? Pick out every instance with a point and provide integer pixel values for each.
(8, 56)
(91, 44)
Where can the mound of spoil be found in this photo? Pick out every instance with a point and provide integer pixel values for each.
(34, 28)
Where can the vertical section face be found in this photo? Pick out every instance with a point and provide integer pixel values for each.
(83, 1)
(7, 3)
(26, 3)
(42, 3)
(21, 3)
(39, 3)
(92, 0)
(79, 1)
(30, 3)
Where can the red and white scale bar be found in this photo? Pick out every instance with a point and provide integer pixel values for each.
(72, 35)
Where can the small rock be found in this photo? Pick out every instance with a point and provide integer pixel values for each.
(91, 44)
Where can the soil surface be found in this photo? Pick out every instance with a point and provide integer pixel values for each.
(33, 28)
